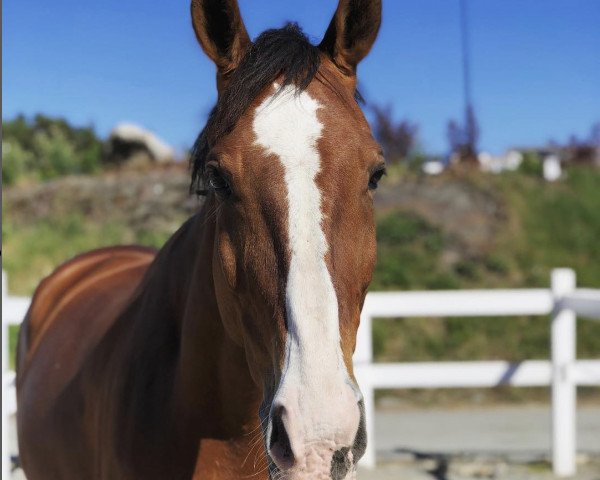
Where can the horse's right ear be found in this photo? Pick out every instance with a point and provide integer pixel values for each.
(221, 32)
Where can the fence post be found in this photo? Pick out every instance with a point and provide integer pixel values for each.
(5, 452)
(564, 389)
(369, 458)
(4, 326)
(363, 357)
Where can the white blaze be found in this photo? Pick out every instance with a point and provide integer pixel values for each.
(314, 376)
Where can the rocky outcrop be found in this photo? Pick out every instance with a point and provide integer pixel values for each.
(157, 200)
(133, 145)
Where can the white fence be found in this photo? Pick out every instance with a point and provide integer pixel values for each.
(13, 311)
(564, 372)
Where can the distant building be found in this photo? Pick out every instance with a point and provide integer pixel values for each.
(574, 153)
(510, 161)
(551, 168)
(433, 167)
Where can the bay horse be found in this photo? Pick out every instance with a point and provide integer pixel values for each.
(228, 353)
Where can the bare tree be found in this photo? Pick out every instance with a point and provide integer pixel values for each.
(595, 135)
(463, 139)
(397, 139)
(584, 151)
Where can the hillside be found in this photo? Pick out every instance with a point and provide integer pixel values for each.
(458, 230)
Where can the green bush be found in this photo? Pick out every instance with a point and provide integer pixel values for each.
(408, 254)
(16, 162)
(44, 148)
(55, 155)
(531, 164)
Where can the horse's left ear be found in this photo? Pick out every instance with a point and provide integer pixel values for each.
(221, 32)
(351, 33)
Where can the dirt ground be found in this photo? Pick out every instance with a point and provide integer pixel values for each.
(474, 468)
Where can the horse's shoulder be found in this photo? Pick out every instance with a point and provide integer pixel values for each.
(85, 289)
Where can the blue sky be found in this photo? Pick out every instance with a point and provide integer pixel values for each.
(535, 64)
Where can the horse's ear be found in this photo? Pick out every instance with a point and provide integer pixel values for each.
(221, 32)
(351, 33)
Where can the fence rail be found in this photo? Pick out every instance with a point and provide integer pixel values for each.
(563, 371)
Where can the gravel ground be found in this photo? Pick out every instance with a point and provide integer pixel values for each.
(474, 468)
(500, 443)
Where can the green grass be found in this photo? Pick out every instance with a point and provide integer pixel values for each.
(408, 253)
(547, 226)
(32, 251)
(560, 225)
(491, 338)
(13, 334)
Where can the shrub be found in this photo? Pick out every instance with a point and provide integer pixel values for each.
(531, 164)
(16, 161)
(45, 148)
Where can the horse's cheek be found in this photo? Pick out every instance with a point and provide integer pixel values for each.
(225, 278)
(227, 259)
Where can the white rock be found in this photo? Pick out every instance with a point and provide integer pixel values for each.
(157, 148)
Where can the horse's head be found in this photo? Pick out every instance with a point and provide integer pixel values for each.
(290, 166)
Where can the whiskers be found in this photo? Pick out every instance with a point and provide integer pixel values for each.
(256, 444)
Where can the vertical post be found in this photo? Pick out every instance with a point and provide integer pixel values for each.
(564, 390)
(369, 458)
(363, 358)
(5, 452)
(4, 326)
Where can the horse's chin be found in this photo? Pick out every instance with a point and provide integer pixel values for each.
(325, 475)
(313, 472)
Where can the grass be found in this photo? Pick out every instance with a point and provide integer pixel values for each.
(560, 225)
(546, 226)
(407, 244)
(32, 251)
(13, 335)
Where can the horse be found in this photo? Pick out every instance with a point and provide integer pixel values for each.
(227, 354)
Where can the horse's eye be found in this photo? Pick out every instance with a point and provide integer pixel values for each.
(375, 177)
(218, 183)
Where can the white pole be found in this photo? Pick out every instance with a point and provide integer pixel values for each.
(5, 452)
(369, 458)
(363, 359)
(564, 390)
(4, 326)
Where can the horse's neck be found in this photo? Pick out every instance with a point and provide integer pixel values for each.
(181, 376)
(212, 373)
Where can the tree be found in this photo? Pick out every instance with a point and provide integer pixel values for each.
(584, 151)
(463, 139)
(43, 147)
(595, 135)
(398, 139)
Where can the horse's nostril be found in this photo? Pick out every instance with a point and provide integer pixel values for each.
(340, 464)
(279, 446)
(360, 440)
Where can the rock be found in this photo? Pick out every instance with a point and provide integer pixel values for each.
(131, 144)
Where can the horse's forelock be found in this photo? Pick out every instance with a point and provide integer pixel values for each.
(283, 54)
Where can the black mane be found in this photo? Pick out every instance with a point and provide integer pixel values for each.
(285, 53)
